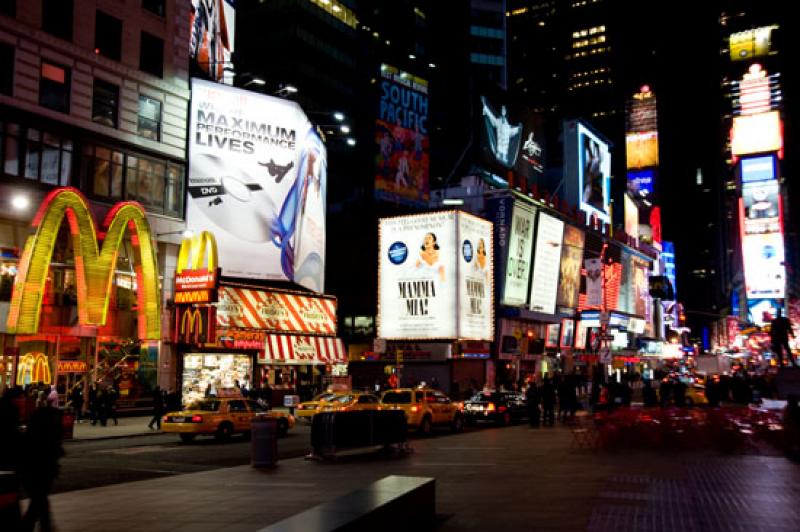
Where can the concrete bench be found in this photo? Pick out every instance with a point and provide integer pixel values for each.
(391, 503)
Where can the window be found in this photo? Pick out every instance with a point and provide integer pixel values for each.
(149, 125)
(10, 148)
(57, 18)
(6, 69)
(108, 36)
(105, 168)
(154, 6)
(54, 86)
(151, 55)
(104, 103)
(237, 406)
(36, 155)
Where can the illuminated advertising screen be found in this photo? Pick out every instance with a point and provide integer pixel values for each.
(520, 248)
(764, 270)
(642, 114)
(763, 311)
(631, 217)
(511, 137)
(546, 264)
(758, 133)
(761, 207)
(758, 169)
(435, 277)
(668, 257)
(587, 170)
(569, 281)
(402, 138)
(567, 333)
(746, 45)
(212, 38)
(641, 149)
(642, 182)
(257, 181)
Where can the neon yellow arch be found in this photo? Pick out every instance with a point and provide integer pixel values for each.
(94, 269)
(195, 250)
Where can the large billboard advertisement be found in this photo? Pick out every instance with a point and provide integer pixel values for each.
(631, 217)
(257, 180)
(761, 207)
(756, 42)
(518, 264)
(569, 280)
(401, 135)
(642, 182)
(641, 149)
(433, 281)
(547, 264)
(511, 138)
(212, 38)
(762, 168)
(764, 270)
(587, 170)
(758, 133)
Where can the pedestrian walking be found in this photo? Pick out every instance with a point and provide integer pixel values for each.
(76, 401)
(111, 404)
(41, 452)
(52, 397)
(158, 409)
(532, 398)
(780, 329)
(548, 394)
(94, 404)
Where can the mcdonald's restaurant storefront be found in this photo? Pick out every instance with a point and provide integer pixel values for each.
(265, 339)
(75, 310)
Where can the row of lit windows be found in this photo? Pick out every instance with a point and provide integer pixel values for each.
(338, 10)
(583, 3)
(593, 51)
(587, 73)
(603, 113)
(589, 42)
(482, 31)
(589, 83)
(588, 31)
(485, 59)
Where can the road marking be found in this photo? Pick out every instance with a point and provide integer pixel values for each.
(137, 450)
(470, 448)
(453, 464)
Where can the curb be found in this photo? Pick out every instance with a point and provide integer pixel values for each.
(114, 437)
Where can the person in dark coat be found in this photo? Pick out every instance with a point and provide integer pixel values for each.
(94, 405)
(42, 450)
(158, 409)
(679, 390)
(111, 404)
(649, 394)
(548, 394)
(532, 398)
(10, 452)
(779, 332)
(76, 401)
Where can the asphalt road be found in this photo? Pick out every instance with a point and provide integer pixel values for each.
(93, 463)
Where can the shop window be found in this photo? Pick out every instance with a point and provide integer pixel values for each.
(108, 36)
(6, 69)
(105, 99)
(149, 122)
(54, 87)
(151, 55)
(57, 18)
(10, 148)
(154, 6)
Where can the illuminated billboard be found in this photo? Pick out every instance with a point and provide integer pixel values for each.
(258, 181)
(435, 277)
(569, 281)
(761, 207)
(402, 139)
(758, 169)
(757, 133)
(520, 247)
(642, 182)
(587, 170)
(641, 149)
(642, 115)
(546, 264)
(631, 217)
(511, 137)
(764, 269)
(212, 38)
(746, 45)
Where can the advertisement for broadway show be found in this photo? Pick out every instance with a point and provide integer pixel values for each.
(520, 247)
(257, 180)
(547, 266)
(569, 282)
(435, 277)
(401, 135)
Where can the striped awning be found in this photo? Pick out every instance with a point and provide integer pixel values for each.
(296, 349)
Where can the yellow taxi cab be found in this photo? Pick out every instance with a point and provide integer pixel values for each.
(351, 401)
(306, 410)
(221, 417)
(425, 408)
(696, 395)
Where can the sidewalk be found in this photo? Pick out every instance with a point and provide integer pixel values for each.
(128, 426)
(517, 478)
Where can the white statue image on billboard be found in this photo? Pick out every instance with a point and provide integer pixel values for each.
(503, 137)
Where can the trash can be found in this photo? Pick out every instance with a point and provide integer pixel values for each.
(67, 424)
(264, 442)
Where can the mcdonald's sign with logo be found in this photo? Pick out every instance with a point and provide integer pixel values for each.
(196, 282)
(94, 265)
(196, 325)
(33, 368)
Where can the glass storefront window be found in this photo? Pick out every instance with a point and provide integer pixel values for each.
(206, 373)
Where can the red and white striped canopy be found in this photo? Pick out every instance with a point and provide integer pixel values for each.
(296, 349)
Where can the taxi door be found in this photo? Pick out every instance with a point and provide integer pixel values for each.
(441, 408)
(239, 414)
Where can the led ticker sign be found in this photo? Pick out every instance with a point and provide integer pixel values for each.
(94, 266)
(758, 169)
(759, 133)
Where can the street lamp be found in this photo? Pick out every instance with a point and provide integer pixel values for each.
(20, 202)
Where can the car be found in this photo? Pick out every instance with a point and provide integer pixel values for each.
(502, 408)
(221, 418)
(351, 401)
(306, 410)
(425, 408)
(696, 395)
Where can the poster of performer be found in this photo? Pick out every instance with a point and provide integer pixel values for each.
(569, 281)
(401, 138)
(212, 38)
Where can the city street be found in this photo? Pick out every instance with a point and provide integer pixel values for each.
(517, 477)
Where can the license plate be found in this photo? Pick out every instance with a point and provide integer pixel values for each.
(178, 419)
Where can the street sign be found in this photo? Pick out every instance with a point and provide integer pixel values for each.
(606, 337)
(605, 356)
